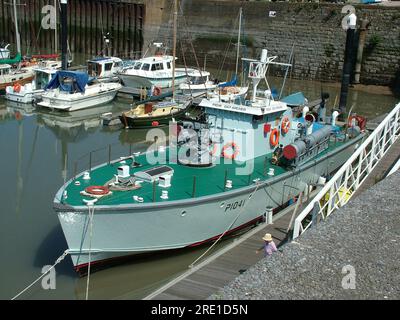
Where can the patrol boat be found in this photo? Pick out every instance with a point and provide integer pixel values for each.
(219, 174)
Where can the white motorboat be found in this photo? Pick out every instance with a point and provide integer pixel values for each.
(72, 90)
(152, 72)
(198, 81)
(27, 93)
(105, 69)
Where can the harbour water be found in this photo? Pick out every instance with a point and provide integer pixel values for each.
(38, 152)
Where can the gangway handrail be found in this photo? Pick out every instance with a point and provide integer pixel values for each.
(340, 188)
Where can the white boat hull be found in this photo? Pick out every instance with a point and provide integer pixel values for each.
(102, 94)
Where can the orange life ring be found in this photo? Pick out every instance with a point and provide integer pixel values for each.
(274, 137)
(97, 190)
(17, 87)
(285, 125)
(157, 91)
(235, 150)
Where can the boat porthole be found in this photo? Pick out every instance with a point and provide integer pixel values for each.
(183, 213)
(222, 205)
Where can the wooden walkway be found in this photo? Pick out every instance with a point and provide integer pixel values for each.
(217, 271)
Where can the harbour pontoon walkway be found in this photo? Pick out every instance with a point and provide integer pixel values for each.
(224, 266)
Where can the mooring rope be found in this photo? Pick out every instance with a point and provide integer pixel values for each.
(229, 227)
(91, 213)
(59, 259)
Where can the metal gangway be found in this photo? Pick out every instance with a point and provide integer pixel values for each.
(342, 186)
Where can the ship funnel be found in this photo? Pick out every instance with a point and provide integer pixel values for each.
(334, 116)
(264, 55)
(305, 110)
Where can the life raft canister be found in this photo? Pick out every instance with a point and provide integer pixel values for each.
(97, 190)
(285, 125)
(157, 91)
(274, 137)
(234, 148)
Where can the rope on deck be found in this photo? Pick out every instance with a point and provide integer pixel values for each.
(59, 259)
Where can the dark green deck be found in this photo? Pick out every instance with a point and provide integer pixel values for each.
(209, 180)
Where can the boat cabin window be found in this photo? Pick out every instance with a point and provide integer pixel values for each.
(94, 69)
(146, 67)
(169, 65)
(137, 65)
(257, 118)
(157, 66)
(117, 64)
(198, 80)
(4, 71)
(108, 66)
(42, 79)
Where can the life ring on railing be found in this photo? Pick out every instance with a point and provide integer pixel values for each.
(157, 91)
(97, 190)
(234, 148)
(285, 125)
(17, 87)
(274, 137)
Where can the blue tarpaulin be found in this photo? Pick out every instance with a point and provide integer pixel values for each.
(69, 81)
(231, 83)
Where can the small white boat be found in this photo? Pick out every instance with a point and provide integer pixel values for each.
(152, 72)
(105, 69)
(72, 90)
(10, 76)
(198, 81)
(28, 92)
(5, 52)
(228, 92)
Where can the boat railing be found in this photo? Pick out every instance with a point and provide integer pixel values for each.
(342, 186)
(105, 155)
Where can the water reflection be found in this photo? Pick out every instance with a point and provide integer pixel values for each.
(39, 151)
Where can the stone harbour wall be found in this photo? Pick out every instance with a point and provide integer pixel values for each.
(313, 28)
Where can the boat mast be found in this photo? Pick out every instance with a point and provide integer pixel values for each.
(64, 40)
(238, 43)
(55, 28)
(174, 49)
(17, 35)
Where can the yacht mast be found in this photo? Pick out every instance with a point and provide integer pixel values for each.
(55, 27)
(174, 49)
(17, 35)
(238, 43)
